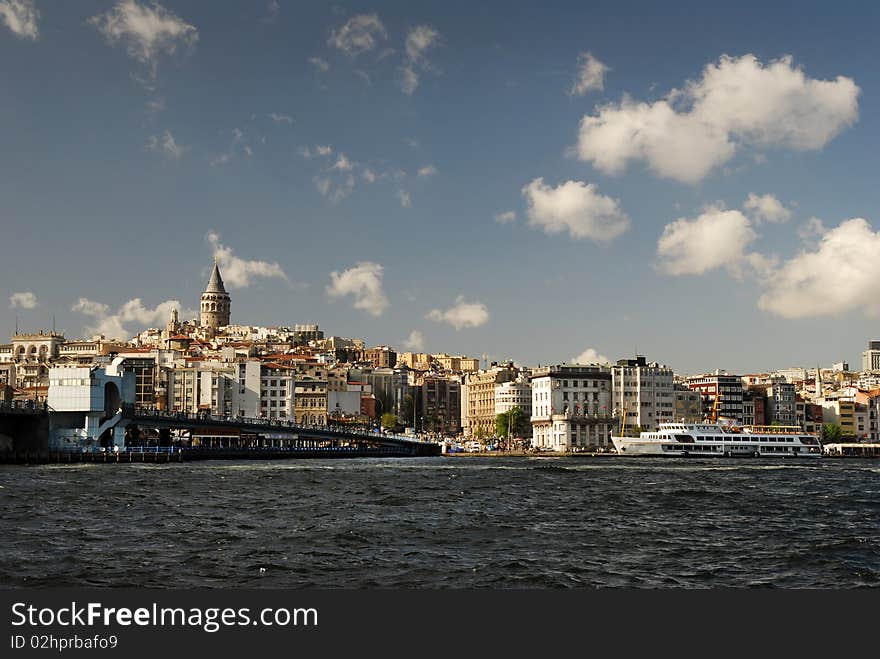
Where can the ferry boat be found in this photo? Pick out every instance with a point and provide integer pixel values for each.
(711, 440)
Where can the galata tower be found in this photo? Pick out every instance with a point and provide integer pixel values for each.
(215, 302)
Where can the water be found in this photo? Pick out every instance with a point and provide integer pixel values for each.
(443, 523)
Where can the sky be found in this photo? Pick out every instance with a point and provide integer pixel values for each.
(545, 182)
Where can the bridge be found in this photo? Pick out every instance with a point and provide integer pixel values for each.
(139, 434)
(204, 434)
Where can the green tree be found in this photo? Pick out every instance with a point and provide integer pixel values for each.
(831, 433)
(390, 420)
(514, 421)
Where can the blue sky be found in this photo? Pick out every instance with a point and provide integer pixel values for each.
(136, 141)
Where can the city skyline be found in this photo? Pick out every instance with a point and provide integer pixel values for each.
(385, 170)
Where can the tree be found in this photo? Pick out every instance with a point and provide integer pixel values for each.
(390, 420)
(515, 422)
(831, 433)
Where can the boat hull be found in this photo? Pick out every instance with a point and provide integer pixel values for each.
(634, 447)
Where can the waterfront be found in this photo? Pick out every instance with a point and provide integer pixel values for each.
(444, 523)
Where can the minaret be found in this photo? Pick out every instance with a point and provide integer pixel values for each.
(215, 302)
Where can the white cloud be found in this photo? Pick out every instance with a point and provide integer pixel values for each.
(24, 300)
(132, 312)
(147, 31)
(404, 198)
(319, 150)
(737, 101)
(766, 208)
(840, 275)
(21, 16)
(415, 342)
(575, 207)
(462, 314)
(363, 281)
(590, 75)
(280, 118)
(369, 175)
(506, 217)
(358, 35)
(427, 170)
(334, 191)
(812, 228)
(410, 80)
(418, 40)
(342, 163)
(321, 65)
(238, 272)
(716, 238)
(166, 145)
(238, 145)
(590, 356)
(273, 9)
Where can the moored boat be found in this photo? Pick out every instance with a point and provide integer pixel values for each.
(715, 440)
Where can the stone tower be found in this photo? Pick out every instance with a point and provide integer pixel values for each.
(215, 302)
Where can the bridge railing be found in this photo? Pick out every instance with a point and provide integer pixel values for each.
(31, 406)
(277, 424)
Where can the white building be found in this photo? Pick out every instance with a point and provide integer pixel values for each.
(571, 407)
(871, 357)
(277, 391)
(644, 391)
(87, 402)
(516, 393)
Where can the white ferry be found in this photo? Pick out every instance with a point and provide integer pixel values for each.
(715, 440)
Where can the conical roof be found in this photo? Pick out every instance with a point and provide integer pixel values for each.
(215, 284)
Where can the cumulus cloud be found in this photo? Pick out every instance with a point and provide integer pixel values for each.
(590, 75)
(166, 145)
(717, 238)
(359, 34)
(427, 170)
(590, 356)
(404, 198)
(736, 102)
(418, 40)
(237, 272)
(766, 208)
(415, 342)
(132, 313)
(462, 314)
(363, 282)
(279, 118)
(506, 217)
(21, 16)
(146, 31)
(575, 207)
(23, 300)
(321, 65)
(840, 275)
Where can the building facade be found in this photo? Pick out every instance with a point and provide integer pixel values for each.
(644, 392)
(571, 407)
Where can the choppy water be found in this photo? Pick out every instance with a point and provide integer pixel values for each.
(443, 522)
